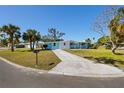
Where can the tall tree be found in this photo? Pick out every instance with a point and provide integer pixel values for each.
(116, 28)
(55, 35)
(46, 38)
(111, 20)
(31, 36)
(13, 32)
(38, 38)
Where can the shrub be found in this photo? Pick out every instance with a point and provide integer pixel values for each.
(45, 46)
(108, 46)
(95, 46)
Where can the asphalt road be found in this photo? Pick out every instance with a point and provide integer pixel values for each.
(13, 77)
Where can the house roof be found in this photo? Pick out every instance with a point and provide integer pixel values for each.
(40, 42)
(71, 41)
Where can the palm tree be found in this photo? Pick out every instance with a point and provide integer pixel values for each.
(31, 36)
(88, 41)
(38, 37)
(13, 32)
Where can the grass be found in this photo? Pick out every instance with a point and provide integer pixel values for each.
(101, 56)
(47, 59)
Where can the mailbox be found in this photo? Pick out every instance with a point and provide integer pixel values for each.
(36, 52)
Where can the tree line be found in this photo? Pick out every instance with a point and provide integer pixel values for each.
(11, 34)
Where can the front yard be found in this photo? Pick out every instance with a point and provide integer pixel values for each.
(24, 57)
(101, 56)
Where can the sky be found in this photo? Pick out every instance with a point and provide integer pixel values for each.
(74, 21)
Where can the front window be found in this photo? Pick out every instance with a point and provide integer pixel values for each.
(54, 44)
(64, 44)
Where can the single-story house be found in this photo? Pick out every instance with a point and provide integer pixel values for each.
(57, 45)
(66, 45)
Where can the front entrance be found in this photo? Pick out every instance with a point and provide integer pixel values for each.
(55, 45)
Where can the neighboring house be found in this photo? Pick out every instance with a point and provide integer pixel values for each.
(20, 45)
(121, 47)
(27, 45)
(9, 45)
(66, 45)
(39, 45)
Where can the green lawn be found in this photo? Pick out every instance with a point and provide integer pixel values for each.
(101, 56)
(47, 59)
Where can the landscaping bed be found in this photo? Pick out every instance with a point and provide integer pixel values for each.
(101, 56)
(46, 58)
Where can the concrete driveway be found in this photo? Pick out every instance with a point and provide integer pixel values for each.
(78, 66)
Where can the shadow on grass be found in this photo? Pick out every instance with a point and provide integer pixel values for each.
(105, 60)
(22, 50)
(119, 53)
(28, 50)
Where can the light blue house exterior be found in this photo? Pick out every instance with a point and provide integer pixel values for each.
(52, 45)
(59, 45)
(66, 45)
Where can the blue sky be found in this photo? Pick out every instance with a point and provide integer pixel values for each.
(75, 21)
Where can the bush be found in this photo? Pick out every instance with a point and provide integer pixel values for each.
(45, 46)
(108, 46)
(95, 46)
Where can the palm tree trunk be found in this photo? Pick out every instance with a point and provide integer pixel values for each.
(31, 45)
(12, 44)
(37, 44)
